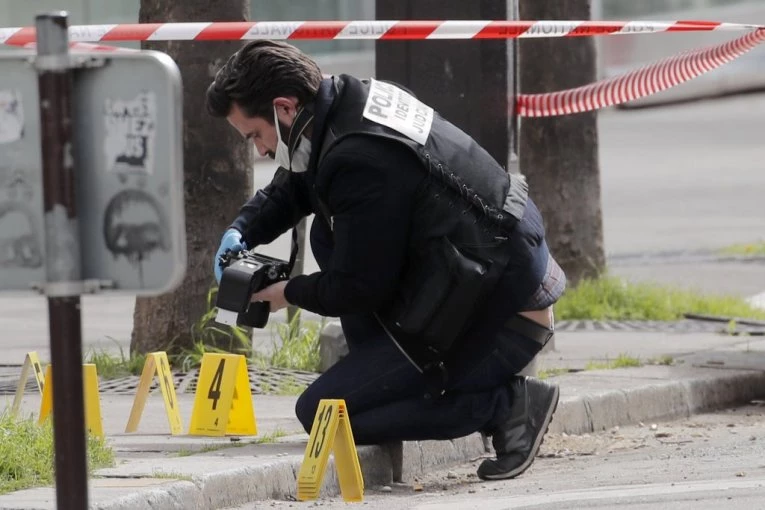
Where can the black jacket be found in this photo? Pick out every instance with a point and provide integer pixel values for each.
(397, 229)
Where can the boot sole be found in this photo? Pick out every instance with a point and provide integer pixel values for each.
(537, 443)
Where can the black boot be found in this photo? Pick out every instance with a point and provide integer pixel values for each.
(517, 441)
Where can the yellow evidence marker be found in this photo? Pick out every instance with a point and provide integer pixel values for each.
(92, 400)
(156, 363)
(223, 399)
(331, 430)
(31, 360)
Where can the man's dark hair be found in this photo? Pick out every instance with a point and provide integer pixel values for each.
(261, 71)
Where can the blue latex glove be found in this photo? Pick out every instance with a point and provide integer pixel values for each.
(232, 241)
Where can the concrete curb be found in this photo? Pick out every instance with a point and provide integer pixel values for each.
(277, 480)
(657, 401)
(383, 464)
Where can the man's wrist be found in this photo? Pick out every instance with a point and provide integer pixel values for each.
(291, 290)
(287, 294)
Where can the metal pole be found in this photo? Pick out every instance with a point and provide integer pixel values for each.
(299, 264)
(63, 263)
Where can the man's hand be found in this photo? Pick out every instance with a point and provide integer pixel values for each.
(274, 294)
(232, 240)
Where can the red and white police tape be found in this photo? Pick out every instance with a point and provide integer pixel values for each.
(392, 29)
(640, 83)
(77, 46)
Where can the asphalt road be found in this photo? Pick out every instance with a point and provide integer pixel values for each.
(706, 462)
(683, 177)
(679, 183)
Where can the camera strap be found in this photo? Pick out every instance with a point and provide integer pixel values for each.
(295, 248)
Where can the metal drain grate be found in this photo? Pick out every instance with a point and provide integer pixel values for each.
(8, 385)
(268, 380)
(129, 384)
(684, 326)
(263, 381)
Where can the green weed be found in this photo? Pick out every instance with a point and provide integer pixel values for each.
(110, 366)
(271, 437)
(171, 475)
(610, 298)
(298, 346)
(621, 361)
(289, 387)
(213, 447)
(26, 453)
(209, 336)
(551, 372)
(747, 250)
(665, 360)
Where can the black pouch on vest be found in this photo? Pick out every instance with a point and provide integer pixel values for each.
(439, 296)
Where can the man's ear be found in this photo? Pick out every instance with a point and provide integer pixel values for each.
(286, 109)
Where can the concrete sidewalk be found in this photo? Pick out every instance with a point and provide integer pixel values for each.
(155, 470)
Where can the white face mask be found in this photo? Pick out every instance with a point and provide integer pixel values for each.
(282, 154)
(300, 156)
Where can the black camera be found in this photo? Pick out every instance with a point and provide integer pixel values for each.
(244, 274)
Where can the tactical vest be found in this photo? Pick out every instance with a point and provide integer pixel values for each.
(463, 222)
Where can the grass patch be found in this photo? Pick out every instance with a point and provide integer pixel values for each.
(611, 298)
(209, 336)
(746, 250)
(288, 387)
(189, 359)
(665, 360)
(110, 366)
(621, 361)
(26, 453)
(552, 372)
(271, 437)
(170, 475)
(298, 345)
(213, 447)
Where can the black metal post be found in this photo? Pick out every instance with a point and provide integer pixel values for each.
(299, 264)
(63, 263)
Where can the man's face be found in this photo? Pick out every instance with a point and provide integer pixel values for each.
(256, 129)
(262, 132)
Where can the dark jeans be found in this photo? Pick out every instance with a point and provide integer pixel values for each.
(386, 395)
